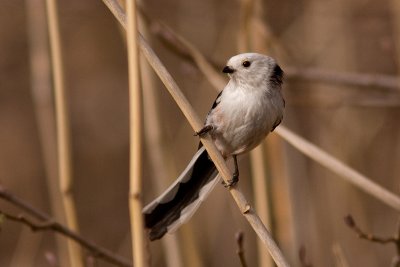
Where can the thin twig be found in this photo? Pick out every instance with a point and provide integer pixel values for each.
(303, 257)
(135, 125)
(340, 168)
(35, 226)
(240, 251)
(63, 137)
(215, 155)
(45, 219)
(350, 222)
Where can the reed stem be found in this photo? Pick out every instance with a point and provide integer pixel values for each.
(63, 136)
(135, 125)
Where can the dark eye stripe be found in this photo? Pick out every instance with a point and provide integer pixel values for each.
(246, 64)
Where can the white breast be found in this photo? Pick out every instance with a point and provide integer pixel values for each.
(243, 118)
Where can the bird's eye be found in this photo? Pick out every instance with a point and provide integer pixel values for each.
(246, 64)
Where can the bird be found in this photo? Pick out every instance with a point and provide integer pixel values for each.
(249, 107)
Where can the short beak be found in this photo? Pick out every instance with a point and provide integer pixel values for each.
(228, 69)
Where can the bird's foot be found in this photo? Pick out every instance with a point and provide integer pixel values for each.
(231, 182)
(204, 130)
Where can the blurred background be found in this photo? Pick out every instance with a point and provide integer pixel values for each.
(306, 203)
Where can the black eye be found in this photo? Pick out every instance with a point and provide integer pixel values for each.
(246, 64)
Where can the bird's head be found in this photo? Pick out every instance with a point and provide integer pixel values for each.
(253, 69)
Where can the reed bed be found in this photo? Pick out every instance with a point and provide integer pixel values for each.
(89, 134)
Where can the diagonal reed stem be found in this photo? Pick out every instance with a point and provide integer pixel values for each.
(338, 167)
(197, 124)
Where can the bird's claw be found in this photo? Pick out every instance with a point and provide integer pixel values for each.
(231, 182)
(204, 130)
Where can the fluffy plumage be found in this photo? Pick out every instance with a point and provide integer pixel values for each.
(250, 106)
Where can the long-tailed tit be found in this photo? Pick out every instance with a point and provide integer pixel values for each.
(250, 106)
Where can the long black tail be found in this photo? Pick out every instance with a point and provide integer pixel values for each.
(179, 202)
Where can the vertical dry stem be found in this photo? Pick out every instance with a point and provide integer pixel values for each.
(135, 105)
(246, 12)
(153, 141)
(257, 155)
(63, 138)
(40, 83)
(261, 199)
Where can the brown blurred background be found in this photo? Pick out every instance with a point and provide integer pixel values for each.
(358, 125)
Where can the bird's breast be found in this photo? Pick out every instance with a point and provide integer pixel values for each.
(241, 121)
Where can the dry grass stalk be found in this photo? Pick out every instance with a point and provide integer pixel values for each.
(217, 158)
(338, 167)
(257, 156)
(158, 161)
(41, 88)
(63, 137)
(262, 40)
(135, 125)
(154, 142)
(279, 190)
(191, 250)
(246, 13)
(261, 198)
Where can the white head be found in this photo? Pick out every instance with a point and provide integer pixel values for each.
(254, 70)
